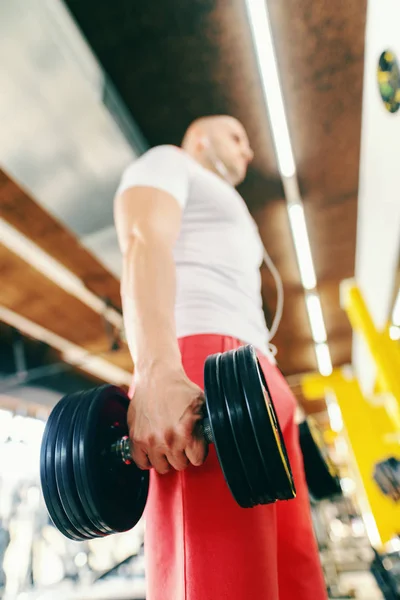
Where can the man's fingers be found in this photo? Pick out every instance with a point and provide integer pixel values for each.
(140, 458)
(178, 460)
(197, 451)
(159, 461)
(177, 449)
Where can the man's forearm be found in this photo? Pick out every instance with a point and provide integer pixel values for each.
(148, 295)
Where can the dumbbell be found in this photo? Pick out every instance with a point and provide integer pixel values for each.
(90, 484)
(321, 473)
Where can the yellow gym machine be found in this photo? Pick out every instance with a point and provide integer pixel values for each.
(371, 425)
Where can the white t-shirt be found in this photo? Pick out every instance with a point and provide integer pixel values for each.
(218, 253)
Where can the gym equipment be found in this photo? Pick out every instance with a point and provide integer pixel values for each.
(321, 474)
(386, 570)
(90, 484)
(387, 476)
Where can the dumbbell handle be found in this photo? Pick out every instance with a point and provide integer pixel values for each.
(207, 431)
(121, 449)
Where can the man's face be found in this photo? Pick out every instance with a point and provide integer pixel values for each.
(231, 146)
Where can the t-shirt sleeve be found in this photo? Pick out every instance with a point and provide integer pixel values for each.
(164, 168)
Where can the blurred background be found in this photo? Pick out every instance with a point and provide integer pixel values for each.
(88, 87)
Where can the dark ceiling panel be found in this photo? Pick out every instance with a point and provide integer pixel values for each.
(174, 62)
(320, 50)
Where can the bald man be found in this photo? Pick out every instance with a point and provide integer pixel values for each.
(191, 287)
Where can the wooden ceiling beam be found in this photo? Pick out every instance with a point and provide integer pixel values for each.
(27, 293)
(23, 213)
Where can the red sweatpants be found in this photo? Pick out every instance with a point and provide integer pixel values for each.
(200, 545)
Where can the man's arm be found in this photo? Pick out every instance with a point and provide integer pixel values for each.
(148, 223)
(166, 405)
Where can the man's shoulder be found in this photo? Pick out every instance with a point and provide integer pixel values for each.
(165, 167)
(163, 157)
(165, 150)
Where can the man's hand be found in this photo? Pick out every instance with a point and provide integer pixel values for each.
(164, 422)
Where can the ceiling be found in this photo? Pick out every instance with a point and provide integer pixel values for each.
(75, 119)
(195, 60)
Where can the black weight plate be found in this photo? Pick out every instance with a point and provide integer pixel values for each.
(64, 427)
(81, 483)
(229, 418)
(322, 479)
(92, 516)
(243, 432)
(48, 477)
(222, 435)
(285, 482)
(78, 417)
(265, 423)
(117, 491)
(65, 474)
(122, 500)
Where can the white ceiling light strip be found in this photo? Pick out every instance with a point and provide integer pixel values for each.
(302, 245)
(323, 359)
(23, 247)
(70, 353)
(260, 26)
(316, 318)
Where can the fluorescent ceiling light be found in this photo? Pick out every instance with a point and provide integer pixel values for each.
(335, 417)
(349, 487)
(264, 48)
(371, 527)
(396, 311)
(316, 318)
(394, 333)
(323, 359)
(55, 271)
(302, 245)
(71, 353)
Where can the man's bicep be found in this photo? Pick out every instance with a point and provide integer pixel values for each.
(146, 213)
(152, 194)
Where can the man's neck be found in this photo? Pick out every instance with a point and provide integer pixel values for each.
(208, 164)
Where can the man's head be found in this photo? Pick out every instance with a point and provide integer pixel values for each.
(220, 144)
